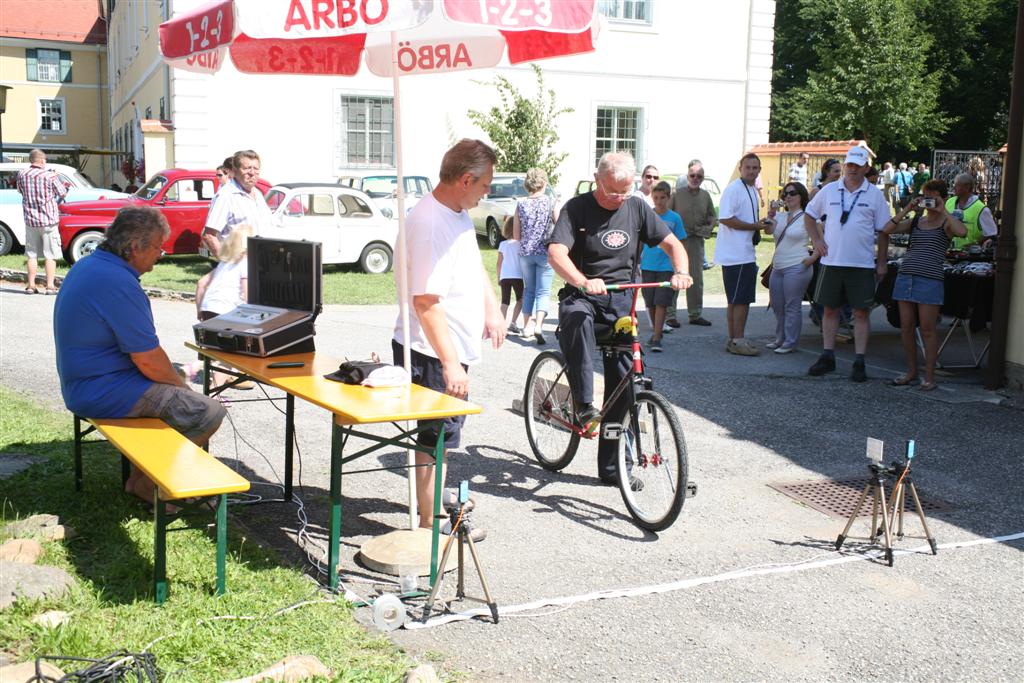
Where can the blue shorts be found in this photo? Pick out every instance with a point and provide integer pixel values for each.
(918, 290)
(740, 283)
(426, 371)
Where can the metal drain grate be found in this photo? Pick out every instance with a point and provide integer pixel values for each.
(836, 497)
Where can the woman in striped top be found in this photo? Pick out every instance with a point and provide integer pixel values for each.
(919, 285)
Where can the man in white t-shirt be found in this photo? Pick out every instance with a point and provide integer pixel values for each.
(798, 171)
(738, 223)
(451, 302)
(853, 211)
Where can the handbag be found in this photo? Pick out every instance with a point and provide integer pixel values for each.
(354, 371)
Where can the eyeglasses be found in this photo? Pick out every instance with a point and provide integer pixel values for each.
(612, 195)
(791, 193)
(695, 175)
(651, 177)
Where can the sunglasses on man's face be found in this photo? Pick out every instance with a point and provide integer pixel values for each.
(695, 176)
(651, 177)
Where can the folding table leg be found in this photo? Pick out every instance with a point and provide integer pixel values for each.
(78, 453)
(334, 542)
(222, 542)
(159, 549)
(289, 443)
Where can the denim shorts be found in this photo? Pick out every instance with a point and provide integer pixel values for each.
(918, 290)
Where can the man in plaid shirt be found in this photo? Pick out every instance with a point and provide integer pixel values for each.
(41, 190)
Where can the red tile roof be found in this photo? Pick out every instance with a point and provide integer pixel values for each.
(67, 21)
(811, 147)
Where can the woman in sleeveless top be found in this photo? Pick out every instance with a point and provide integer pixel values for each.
(919, 285)
(532, 217)
(791, 267)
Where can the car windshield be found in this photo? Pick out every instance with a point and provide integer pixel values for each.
(507, 188)
(274, 199)
(380, 186)
(152, 188)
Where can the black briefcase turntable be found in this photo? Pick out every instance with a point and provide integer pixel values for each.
(284, 299)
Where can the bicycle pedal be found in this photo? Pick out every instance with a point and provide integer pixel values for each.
(691, 489)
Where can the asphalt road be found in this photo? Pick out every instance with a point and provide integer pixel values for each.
(749, 422)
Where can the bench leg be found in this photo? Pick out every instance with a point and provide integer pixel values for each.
(78, 453)
(222, 542)
(126, 470)
(289, 444)
(159, 549)
(435, 531)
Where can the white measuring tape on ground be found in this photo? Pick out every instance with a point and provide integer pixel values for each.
(698, 581)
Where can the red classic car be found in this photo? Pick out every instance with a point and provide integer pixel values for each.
(182, 196)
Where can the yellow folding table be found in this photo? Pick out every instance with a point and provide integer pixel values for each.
(351, 406)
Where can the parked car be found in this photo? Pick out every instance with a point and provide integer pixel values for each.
(345, 221)
(182, 196)
(383, 189)
(585, 186)
(12, 219)
(490, 214)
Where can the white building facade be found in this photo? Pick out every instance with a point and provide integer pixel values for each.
(671, 80)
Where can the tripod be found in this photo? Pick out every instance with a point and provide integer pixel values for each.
(461, 535)
(898, 502)
(876, 487)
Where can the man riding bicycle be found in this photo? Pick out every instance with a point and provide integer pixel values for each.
(596, 242)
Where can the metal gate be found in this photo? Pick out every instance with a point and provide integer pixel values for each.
(986, 167)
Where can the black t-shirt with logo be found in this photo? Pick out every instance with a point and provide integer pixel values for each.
(602, 243)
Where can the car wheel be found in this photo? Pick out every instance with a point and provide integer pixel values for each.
(376, 258)
(6, 240)
(493, 233)
(84, 244)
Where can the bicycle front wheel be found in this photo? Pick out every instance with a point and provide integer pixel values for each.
(548, 408)
(652, 462)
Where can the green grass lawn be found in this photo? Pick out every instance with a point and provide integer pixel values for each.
(349, 285)
(202, 637)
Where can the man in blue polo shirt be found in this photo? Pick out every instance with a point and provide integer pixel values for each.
(109, 358)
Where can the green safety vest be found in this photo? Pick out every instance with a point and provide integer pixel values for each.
(972, 215)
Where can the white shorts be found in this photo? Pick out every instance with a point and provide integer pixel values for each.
(45, 240)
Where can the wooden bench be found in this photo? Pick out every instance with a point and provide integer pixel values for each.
(179, 468)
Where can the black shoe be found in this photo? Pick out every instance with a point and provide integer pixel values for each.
(821, 366)
(585, 414)
(858, 374)
(656, 345)
(672, 322)
(700, 321)
(635, 485)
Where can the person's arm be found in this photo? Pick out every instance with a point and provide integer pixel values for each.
(435, 326)
(156, 366)
(737, 224)
(201, 287)
(680, 265)
(243, 289)
(814, 232)
(517, 230)
(954, 226)
(987, 223)
(495, 328)
(211, 239)
(497, 266)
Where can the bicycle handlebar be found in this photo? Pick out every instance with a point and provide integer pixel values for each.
(637, 285)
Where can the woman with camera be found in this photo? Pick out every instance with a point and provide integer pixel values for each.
(791, 266)
(919, 286)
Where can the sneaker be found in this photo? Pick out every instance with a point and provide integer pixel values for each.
(672, 322)
(635, 485)
(476, 533)
(656, 345)
(539, 338)
(666, 329)
(858, 373)
(585, 414)
(822, 366)
(785, 349)
(700, 321)
(772, 345)
(528, 331)
(743, 347)
(514, 329)
(709, 265)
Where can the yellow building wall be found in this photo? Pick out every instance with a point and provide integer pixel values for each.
(85, 97)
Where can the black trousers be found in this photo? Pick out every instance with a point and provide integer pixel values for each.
(582, 320)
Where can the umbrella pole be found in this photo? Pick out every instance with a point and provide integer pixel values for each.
(403, 272)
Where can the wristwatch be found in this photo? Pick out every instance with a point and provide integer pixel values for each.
(680, 272)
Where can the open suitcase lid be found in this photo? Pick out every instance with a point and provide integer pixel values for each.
(285, 274)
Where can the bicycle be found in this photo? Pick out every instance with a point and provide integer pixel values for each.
(652, 451)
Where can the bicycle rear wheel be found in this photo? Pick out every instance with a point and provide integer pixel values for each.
(652, 462)
(549, 412)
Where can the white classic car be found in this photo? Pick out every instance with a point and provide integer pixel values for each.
(345, 221)
(12, 219)
(500, 203)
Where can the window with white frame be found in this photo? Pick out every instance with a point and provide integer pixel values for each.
(48, 66)
(51, 117)
(367, 132)
(632, 11)
(617, 129)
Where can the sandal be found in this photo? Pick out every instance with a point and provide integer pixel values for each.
(50, 291)
(902, 381)
(31, 290)
(928, 386)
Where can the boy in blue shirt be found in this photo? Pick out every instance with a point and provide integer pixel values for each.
(656, 266)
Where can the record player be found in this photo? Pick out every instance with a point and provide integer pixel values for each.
(284, 299)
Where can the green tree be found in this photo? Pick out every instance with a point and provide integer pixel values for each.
(869, 78)
(522, 129)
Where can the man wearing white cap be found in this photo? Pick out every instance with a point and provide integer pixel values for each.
(853, 211)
